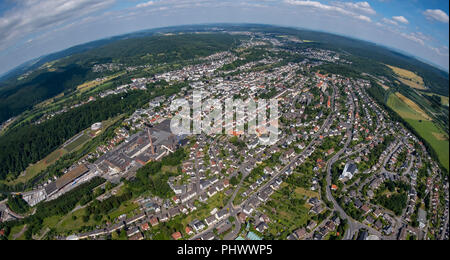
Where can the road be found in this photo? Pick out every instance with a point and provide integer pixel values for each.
(234, 210)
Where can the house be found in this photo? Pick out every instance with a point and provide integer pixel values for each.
(188, 230)
(198, 226)
(369, 219)
(378, 224)
(212, 191)
(242, 217)
(262, 227)
(358, 203)
(268, 171)
(176, 235)
(145, 226)
(221, 214)
(264, 218)
(176, 199)
(377, 213)
(313, 201)
(330, 225)
(153, 221)
(248, 210)
(136, 237)
(210, 220)
(365, 208)
(311, 225)
(164, 217)
(173, 212)
(133, 231)
(300, 233)
(317, 209)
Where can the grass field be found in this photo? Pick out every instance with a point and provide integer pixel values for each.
(406, 108)
(80, 141)
(408, 78)
(15, 231)
(422, 123)
(304, 192)
(285, 216)
(92, 84)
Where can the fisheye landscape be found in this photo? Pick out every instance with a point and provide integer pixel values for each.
(303, 120)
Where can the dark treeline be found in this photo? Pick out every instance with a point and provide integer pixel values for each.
(17, 204)
(151, 178)
(29, 144)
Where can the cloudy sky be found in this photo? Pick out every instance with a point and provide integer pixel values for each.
(32, 28)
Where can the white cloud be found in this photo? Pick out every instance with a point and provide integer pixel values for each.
(146, 4)
(437, 15)
(415, 37)
(389, 21)
(400, 19)
(443, 51)
(363, 7)
(329, 8)
(34, 16)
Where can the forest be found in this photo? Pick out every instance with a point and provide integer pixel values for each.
(31, 143)
(67, 73)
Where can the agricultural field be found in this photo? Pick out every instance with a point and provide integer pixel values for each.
(423, 124)
(406, 108)
(408, 78)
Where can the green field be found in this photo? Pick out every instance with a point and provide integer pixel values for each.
(436, 137)
(284, 211)
(84, 138)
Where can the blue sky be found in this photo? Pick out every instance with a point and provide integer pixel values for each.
(32, 28)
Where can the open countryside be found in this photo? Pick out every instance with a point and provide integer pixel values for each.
(408, 78)
(418, 119)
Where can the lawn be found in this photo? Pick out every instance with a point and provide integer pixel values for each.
(125, 208)
(217, 201)
(14, 231)
(304, 192)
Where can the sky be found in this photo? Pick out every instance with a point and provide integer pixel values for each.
(33, 28)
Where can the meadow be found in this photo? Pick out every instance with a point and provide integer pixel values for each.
(422, 123)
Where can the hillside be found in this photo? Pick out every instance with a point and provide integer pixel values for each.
(65, 74)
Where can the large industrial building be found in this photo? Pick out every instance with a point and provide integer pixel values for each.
(151, 144)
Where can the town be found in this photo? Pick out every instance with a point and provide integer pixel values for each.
(341, 168)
